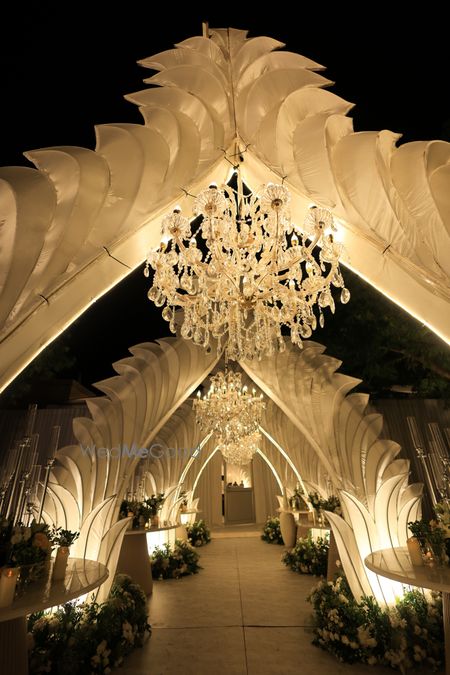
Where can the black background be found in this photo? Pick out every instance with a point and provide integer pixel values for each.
(65, 67)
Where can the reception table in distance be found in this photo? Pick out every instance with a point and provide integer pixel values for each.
(395, 564)
(81, 577)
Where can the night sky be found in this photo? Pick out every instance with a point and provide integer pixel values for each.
(65, 68)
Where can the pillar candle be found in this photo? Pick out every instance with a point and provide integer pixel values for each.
(414, 551)
(8, 578)
(60, 564)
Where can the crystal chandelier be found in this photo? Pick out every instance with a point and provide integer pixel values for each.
(241, 270)
(241, 451)
(232, 414)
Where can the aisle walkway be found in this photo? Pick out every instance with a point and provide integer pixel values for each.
(244, 614)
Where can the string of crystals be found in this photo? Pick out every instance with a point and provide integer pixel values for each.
(241, 270)
(232, 414)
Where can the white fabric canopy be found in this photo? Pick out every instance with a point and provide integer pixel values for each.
(63, 221)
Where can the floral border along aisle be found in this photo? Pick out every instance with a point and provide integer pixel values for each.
(407, 635)
(198, 533)
(168, 563)
(272, 532)
(308, 556)
(89, 638)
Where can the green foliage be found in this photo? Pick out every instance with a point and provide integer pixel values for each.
(298, 502)
(382, 345)
(308, 556)
(20, 545)
(154, 503)
(331, 503)
(198, 533)
(141, 510)
(62, 537)
(407, 635)
(168, 563)
(433, 536)
(56, 359)
(91, 637)
(272, 532)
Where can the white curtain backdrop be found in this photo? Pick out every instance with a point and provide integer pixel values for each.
(209, 490)
(265, 490)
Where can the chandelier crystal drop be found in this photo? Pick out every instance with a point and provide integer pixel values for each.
(232, 414)
(241, 270)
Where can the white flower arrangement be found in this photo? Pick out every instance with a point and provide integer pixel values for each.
(89, 638)
(405, 636)
(272, 531)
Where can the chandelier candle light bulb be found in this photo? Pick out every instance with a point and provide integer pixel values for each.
(241, 270)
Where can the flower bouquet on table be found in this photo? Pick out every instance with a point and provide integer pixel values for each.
(26, 549)
(433, 537)
(298, 502)
(154, 504)
(130, 508)
(184, 502)
(64, 539)
(143, 511)
(320, 505)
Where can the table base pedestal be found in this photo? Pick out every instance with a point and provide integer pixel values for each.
(135, 561)
(13, 647)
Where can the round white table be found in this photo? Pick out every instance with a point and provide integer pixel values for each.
(81, 577)
(395, 564)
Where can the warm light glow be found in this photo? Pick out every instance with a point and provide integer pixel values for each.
(272, 468)
(242, 270)
(289, 461)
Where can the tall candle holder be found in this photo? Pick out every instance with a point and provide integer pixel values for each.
(420, 446)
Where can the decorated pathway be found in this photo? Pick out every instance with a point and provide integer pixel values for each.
(244, 614)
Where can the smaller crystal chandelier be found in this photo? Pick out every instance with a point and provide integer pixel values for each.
(241, 451)
(241, 270)
(232, 414)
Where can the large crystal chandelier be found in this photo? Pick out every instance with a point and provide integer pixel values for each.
(233, 414)
(241, 270)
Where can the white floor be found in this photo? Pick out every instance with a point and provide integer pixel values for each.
(244, 614)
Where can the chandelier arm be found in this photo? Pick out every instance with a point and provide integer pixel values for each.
(239, 276)
(219, 257)
(199, 267)
(313, 244)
